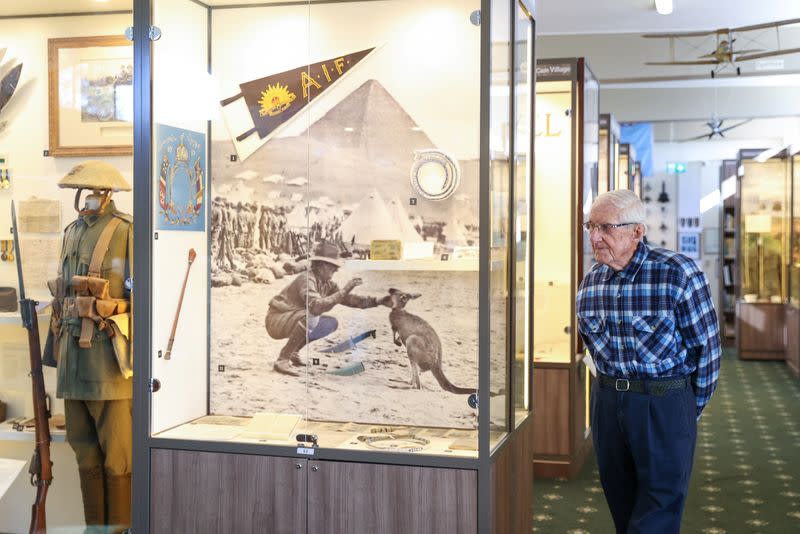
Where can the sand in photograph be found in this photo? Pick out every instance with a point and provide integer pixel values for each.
(379, 395)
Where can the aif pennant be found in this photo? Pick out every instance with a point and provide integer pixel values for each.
(275, 99)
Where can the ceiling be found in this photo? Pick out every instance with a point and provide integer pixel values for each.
(635, 16)
(676, 131)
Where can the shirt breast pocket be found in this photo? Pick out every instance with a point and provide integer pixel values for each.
(655, 338)
(594, 331)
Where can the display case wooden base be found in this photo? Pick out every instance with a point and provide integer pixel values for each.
(760, 328)
(210, 492)
(793, 340)
(562, 438)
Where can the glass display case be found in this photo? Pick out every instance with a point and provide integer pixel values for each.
(762, 254)
(793, 307)
(334, 222)
(44, 44)
(627, 169)
(565, 184)
(608, 167)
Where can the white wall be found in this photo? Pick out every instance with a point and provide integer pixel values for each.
(22, 142)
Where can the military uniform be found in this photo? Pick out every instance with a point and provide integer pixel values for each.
(93, 377)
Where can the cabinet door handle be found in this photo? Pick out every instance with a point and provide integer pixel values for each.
(298, 466)
(315, 468)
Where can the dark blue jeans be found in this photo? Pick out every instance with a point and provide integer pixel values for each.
(645, 448)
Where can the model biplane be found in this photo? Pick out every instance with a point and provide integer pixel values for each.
(725, 54)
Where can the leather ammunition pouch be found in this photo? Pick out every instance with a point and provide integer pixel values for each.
(90, 285)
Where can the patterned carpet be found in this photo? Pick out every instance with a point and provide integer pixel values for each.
(746, 476)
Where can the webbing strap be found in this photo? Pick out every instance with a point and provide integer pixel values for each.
(101, 247)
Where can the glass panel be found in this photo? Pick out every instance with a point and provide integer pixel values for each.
(591, 126)
(794, 273)
(317, 230)
(92, 92)
(523, 87)
(182, 104)
(553, 220)
(763, 234)
(615, 164)
(603, 163)
(500, 173)
(624, 172)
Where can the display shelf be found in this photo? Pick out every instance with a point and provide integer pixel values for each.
(762, 217)
(728, 267)
(7, 432)
(438, 264)
(42, 310)
(569, 158)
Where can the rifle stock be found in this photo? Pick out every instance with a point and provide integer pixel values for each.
(41, 468)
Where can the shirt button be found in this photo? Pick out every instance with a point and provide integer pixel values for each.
(619, 322)
(619, 295)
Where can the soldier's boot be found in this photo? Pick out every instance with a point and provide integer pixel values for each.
(118, 503)
(290, 354)
(94, 504)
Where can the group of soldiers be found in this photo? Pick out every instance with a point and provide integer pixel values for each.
(250, 226)
(245, 225)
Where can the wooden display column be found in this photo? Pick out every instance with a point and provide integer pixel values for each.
(561, 441)
(793, 340)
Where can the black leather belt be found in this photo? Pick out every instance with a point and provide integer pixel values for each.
(653, 387)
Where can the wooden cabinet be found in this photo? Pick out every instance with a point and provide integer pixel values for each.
(345, 497)
(211, 492)
(761, 328)
(562, 438)
(207, 492)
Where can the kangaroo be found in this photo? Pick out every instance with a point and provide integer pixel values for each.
(421, 341)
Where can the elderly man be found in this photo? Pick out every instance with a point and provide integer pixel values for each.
(647, 318)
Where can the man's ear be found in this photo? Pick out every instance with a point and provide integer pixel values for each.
(638, 231)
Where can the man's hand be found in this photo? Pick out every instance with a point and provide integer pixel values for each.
(352, 284)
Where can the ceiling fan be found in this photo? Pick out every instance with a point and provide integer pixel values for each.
(715, 125)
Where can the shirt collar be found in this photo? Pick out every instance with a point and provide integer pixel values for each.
(632, 269)
(90, 220)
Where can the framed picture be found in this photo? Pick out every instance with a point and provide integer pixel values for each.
(689, 244)
(90, 81)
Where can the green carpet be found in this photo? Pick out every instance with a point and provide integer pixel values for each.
(746, 475)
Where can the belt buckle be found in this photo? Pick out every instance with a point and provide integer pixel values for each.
(625, 383)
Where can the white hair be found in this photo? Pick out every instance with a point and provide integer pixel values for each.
(629, 206)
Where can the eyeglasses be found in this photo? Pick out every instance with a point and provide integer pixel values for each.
(604, 228)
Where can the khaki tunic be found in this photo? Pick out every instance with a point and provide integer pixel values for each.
(93, 373)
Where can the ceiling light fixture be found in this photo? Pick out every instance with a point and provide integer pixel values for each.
(664, 7)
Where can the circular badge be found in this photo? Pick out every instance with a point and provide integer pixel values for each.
(434, 174)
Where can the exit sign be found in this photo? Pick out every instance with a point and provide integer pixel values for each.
(676, 167)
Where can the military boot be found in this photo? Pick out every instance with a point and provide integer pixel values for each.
(94, 505)
(118, 503)
(290, 354)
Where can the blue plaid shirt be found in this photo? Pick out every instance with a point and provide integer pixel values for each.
(654, 318)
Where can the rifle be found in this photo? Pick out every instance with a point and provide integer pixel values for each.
(41, 469)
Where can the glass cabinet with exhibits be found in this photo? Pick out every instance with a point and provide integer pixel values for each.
(762, 255)
(793, 259)
(565, 186)
(608, 166)
(334, 234)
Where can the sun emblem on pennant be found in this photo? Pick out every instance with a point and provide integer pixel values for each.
(275, 100)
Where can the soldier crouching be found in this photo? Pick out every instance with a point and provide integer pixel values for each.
(297, 313)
